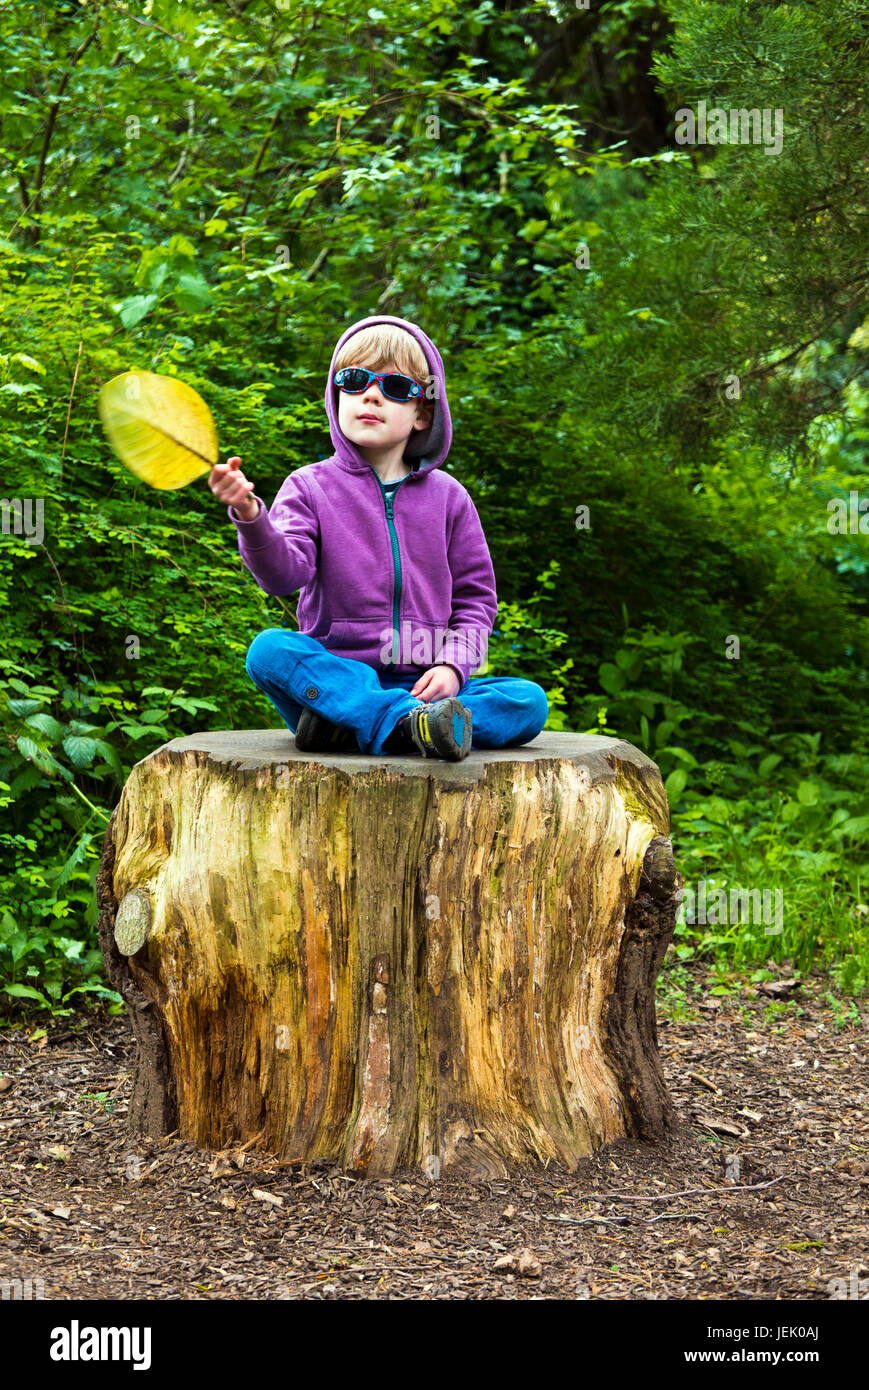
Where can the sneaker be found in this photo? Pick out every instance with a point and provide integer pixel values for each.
(439, 730)
(314, 734)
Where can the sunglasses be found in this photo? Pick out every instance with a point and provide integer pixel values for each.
(354, 380)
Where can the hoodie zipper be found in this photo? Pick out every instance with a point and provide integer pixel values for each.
(396, 557)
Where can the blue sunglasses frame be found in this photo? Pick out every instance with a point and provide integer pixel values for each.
(415, 388)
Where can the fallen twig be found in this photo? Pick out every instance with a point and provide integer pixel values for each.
(704, 1081)
(623, 1220)
(688, 1192)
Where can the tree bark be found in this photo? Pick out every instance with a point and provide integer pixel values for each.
(393, 961)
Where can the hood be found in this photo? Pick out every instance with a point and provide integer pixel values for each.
(425, 448)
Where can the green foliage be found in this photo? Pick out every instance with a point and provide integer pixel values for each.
(536, 656)
(218, 191)
(744, 813)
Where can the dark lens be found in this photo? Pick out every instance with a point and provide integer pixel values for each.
(398, 387)
(355, 379)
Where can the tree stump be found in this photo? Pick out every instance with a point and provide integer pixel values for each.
(393, 961)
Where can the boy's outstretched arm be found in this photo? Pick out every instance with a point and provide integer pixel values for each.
(475, 602)
(280, 547)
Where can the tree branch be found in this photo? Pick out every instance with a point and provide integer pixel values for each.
(52, 118)
(273, 127)
(69, 407)
(258, 161)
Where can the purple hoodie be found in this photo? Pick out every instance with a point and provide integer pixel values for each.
(400, 589)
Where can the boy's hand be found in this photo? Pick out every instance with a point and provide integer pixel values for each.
(231, 487)
(437, 683)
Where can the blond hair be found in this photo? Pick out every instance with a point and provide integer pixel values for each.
(381, 344)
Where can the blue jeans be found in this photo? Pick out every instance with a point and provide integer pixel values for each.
(297, 672)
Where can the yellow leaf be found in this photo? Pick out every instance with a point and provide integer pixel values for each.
(160, 429)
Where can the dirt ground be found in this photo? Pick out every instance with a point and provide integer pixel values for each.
(770, 1095)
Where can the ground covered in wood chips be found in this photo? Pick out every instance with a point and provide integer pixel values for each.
(771, 1094)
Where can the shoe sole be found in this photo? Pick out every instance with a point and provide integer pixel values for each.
(315, 734)
(444, 732)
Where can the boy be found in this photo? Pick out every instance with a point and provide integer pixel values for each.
(397, 588)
